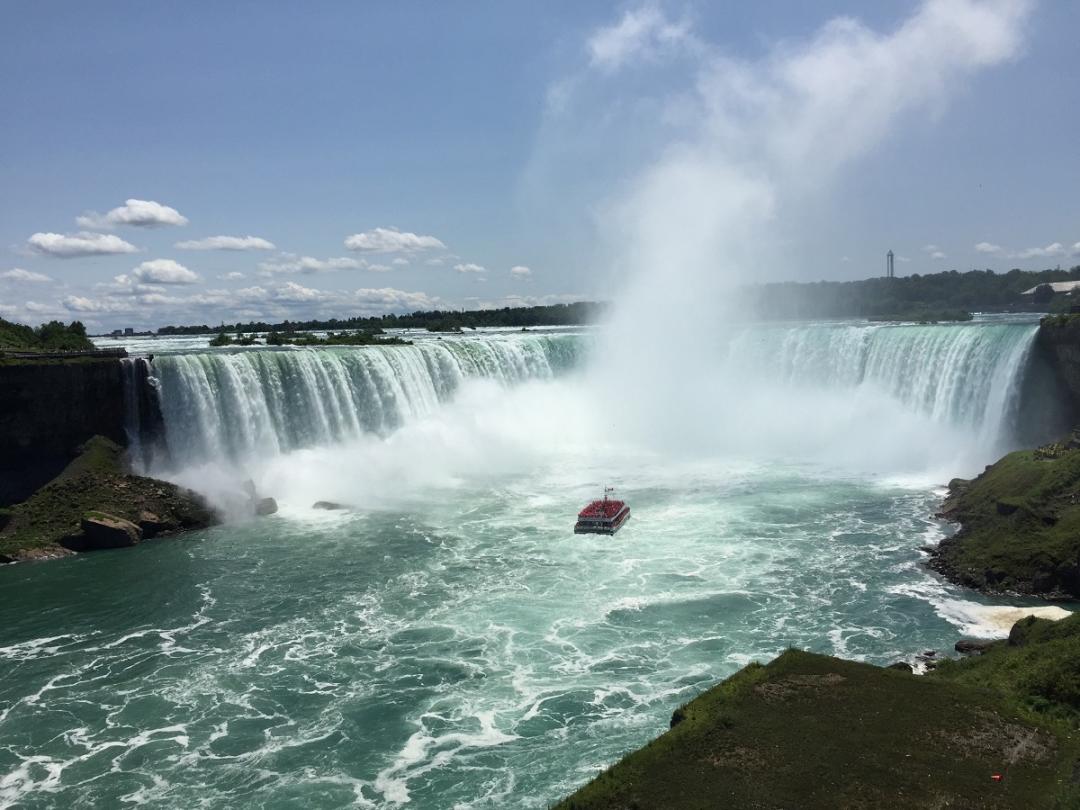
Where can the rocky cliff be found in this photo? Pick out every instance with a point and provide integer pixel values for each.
(48, 409)
(1058, 344)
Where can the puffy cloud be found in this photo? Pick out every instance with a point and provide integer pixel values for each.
(391, 240)
(72, 245)
(289, 263)
(379, 268)
(139, 213)
(470, 268)
(520, 271)
(18, 274)
(400, 261)
(988, 247)
(226, 243)
(643, 33)
(934, 251)
(164, 271)
(78, 303)
(1051, 251)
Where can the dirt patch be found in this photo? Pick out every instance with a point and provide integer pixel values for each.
(738, 757)
(993, 736)
(784, 688)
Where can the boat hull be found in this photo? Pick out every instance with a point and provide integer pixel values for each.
(602, 526)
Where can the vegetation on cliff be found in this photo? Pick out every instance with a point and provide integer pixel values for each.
(811, 731)
(51, 522)
(1019, 525)
(49, 337)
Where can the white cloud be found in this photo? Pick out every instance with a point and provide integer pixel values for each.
(934, 251)
(435, 262)
(379, 268)
(937, 254)
(139, 213)
(903, 259)
(520, 271)
(289, 263)
(226, 243)
(164, 271)
(470, 268)
(988, 247)
(1051, 251)
(391, 240)
(78, 303)
(72, 245)
(18, 274)
(643, 33)
(233, 276)
(400, 261)
(1076, 249)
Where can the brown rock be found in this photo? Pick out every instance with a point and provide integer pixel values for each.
(108, 531)
(265, 506)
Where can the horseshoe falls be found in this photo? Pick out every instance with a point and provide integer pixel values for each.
(446, 641)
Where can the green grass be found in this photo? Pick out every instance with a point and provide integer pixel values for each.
(1039, 667)
(1020, 525)
(810, 731)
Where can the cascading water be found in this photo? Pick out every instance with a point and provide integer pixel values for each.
(254, 404)
(966, 375)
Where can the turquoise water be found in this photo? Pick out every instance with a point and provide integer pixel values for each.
(450, 643)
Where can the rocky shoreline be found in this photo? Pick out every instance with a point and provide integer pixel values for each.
(1019, 525)
(97, 503)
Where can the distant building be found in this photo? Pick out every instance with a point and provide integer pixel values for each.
(889, 271)
(129, 332)
(116, 332)
(1056, 286)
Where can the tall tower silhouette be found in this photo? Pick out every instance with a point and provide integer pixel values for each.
(889, 272)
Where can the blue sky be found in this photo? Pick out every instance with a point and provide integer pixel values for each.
(457, 142)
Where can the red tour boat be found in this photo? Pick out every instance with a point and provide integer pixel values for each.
(602, 517)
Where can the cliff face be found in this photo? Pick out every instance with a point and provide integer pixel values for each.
(47, 410)
(1058, 343)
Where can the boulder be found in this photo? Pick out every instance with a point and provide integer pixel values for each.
(265, 506)
(151, 525)
(903, 666)
(972, 646)
(328, 505)
(101, 531)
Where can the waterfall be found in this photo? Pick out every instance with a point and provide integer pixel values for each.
(258, 403)
(970, 375)
(142, 414)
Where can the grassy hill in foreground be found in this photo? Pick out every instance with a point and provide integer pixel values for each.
(811, 731)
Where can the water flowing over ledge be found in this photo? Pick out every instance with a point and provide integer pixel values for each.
(259, 403)
(969, 375)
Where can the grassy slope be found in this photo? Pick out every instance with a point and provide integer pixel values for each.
(810, 731)
(94, 482)
(1020, 525)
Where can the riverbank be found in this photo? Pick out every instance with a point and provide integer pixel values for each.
(96, 503)
(811, 731)
(1019, 525)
